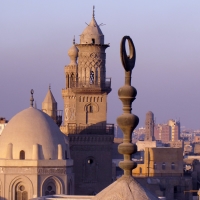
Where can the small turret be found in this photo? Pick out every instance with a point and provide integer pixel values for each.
(49, 105)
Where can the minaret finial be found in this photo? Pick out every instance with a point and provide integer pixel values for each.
(127, 121)
(93, 15)
(49, 86)
(74, 40)
(31, 99)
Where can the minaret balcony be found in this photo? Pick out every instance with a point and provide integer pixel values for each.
(78, 86)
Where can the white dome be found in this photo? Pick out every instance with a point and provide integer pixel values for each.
(28, 128)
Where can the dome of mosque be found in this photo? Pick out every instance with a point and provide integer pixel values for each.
(29, 128)
(73, 54)
(92, 34)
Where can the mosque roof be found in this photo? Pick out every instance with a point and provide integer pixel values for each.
(29, 127)
(127, 188)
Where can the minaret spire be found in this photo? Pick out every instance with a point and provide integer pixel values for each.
(93, 14)
(31, 99)
(74, 40)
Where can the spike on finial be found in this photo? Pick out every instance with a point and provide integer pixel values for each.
(93, 15)
(49, 86)
(74, 40)
(31, 99)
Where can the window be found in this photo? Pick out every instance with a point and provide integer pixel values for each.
(172, 166)
(22, 155)
(163, 166)
(91, 77)
(50, 190)
(21, 193)
(93, 41)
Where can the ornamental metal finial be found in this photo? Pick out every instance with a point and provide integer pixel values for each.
(31, 99)
(93, 14)
(74, 40)
(127, 121)
(49, 86)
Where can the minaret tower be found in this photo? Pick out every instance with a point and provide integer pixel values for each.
(149, 127)
(85, 112)
(68, 95)
(85, 95)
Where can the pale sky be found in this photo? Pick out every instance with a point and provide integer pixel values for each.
(36, 35)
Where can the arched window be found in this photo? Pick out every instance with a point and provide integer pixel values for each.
(90, 170)
(21, 193)
(163, 166)
(93, 41)
(22, 155)
(50, 190)
(173, 166)
(79, 99)
(91, 77)
(140, 170)
(90, 108)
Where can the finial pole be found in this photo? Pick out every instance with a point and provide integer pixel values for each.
(49, 86)
(74, 40)
(31, 99)
(93, 15)
(127, 121)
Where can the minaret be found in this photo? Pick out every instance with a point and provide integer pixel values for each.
(149, 127)
(49, 105)
(85, 112)
(68, 95)
(85, 94)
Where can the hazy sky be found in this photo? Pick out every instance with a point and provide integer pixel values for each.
(36, 35)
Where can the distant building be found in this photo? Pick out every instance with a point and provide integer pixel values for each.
(175, 130)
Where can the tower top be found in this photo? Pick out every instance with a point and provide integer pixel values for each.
(93, 14)
(31, 99)
(92, 34)
(73, 53)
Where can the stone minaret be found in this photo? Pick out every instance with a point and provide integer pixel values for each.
(85, 112)
(68, 95)
(85, 94)
(149, 127)
(49, 105)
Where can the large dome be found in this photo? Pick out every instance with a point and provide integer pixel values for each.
(28, 128)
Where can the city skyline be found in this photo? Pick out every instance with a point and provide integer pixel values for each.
(35, 38)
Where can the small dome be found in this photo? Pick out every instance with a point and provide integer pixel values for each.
(32, 127)
(92, 34)
(73, 54)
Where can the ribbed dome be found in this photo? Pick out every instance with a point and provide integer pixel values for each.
(92, 34)
(73, 54)
(28, 128)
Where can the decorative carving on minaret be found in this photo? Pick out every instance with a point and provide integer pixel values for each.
(127, 121)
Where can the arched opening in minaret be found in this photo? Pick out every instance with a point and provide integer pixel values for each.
(93, 41)
(67, 81)
(72, 80)
(91, 77)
